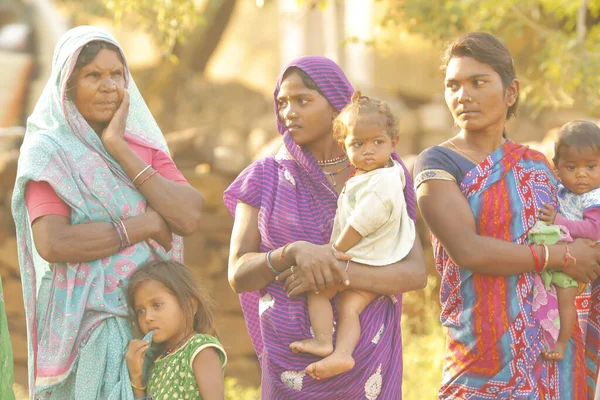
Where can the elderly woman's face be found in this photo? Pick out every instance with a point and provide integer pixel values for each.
(307, 115)
(98, 88)
(475, 94)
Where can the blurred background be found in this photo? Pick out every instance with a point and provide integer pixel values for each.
(207, 69)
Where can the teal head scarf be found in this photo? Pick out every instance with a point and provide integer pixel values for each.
(73, 300)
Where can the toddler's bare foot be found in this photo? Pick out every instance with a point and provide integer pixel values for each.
(556, 354)
(330, 366)
(312, 346)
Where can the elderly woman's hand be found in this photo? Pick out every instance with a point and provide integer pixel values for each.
(161, 232)
(587, 268)
(113, 135)
(316, 268)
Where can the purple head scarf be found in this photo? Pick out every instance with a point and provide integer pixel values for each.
(296, 202)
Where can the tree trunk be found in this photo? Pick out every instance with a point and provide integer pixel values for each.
(195, 53)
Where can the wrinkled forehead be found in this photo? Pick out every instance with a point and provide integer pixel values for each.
(70, 45)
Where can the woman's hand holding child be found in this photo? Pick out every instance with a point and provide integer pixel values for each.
(316, 268)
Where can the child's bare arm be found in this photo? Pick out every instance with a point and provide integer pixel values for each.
(347, 239)
(209, 374)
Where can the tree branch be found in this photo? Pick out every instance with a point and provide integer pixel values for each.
(542, 30)
(581, 26)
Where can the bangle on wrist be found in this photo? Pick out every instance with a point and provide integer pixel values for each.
(282, 254)
(140, 174)
(568, 257)
(141, 388)
(538, 266)
(268, 262)
(545, 255)
(145, 179)
(125, 235)
(117, 227)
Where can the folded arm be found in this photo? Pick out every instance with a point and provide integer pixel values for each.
(57, 241)
(449, 217)
(179, 204)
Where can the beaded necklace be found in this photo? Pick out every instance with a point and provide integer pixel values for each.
(333, 161)
(170, 351)
(331, 175)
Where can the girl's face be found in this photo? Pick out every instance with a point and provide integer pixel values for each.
(476, 96)
(579, 168)
(98, 88)
(159, 310)
(367, 143)
(307, 115)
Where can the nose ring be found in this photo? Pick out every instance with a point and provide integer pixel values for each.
(470, 99)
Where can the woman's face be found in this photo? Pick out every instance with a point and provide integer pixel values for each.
(476, 96)
(98, 88)
(306, 114)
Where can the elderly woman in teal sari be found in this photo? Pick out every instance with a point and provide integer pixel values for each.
(96, 195)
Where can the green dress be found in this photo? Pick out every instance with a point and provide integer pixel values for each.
(541, 233)
(6, 356)
(172, 377)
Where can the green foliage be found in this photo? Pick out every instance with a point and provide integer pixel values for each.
(233, 391)
(555, 47)
(169, 21)
(423, 340)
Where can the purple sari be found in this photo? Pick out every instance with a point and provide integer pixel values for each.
(296, 202)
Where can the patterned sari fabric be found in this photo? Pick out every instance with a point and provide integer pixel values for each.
(6, 355)
(495, 324)
(76, 313)
(296, 202)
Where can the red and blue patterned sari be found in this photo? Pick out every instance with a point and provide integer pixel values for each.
(496, 324)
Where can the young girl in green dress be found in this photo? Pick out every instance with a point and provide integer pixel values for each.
(176, 319)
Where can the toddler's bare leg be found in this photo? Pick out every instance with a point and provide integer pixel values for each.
(567, 314)
(350, 305)
(321, 320)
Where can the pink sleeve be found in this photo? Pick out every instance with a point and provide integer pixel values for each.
(41, 200)
(166, 167)
(588, 228)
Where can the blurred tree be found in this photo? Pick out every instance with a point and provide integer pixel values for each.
(187, 31)
(555, 43)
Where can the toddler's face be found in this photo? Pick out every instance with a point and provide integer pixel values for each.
(579, 168)
(368, 145)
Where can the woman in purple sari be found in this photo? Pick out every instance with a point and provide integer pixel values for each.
(284, 207)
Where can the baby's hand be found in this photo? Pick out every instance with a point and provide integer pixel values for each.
(547, 213)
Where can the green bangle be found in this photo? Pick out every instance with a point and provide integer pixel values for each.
(268, 261)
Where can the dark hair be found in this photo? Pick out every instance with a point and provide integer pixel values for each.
(178, 279)
(362, 105)
(578, 134)
(88, 52)
(306, 79)
(486, 49)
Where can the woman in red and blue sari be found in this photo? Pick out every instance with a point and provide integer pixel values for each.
(479, 194)
(284, 206)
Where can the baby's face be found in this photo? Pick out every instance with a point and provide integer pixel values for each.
(579, 168)
(367, 143)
